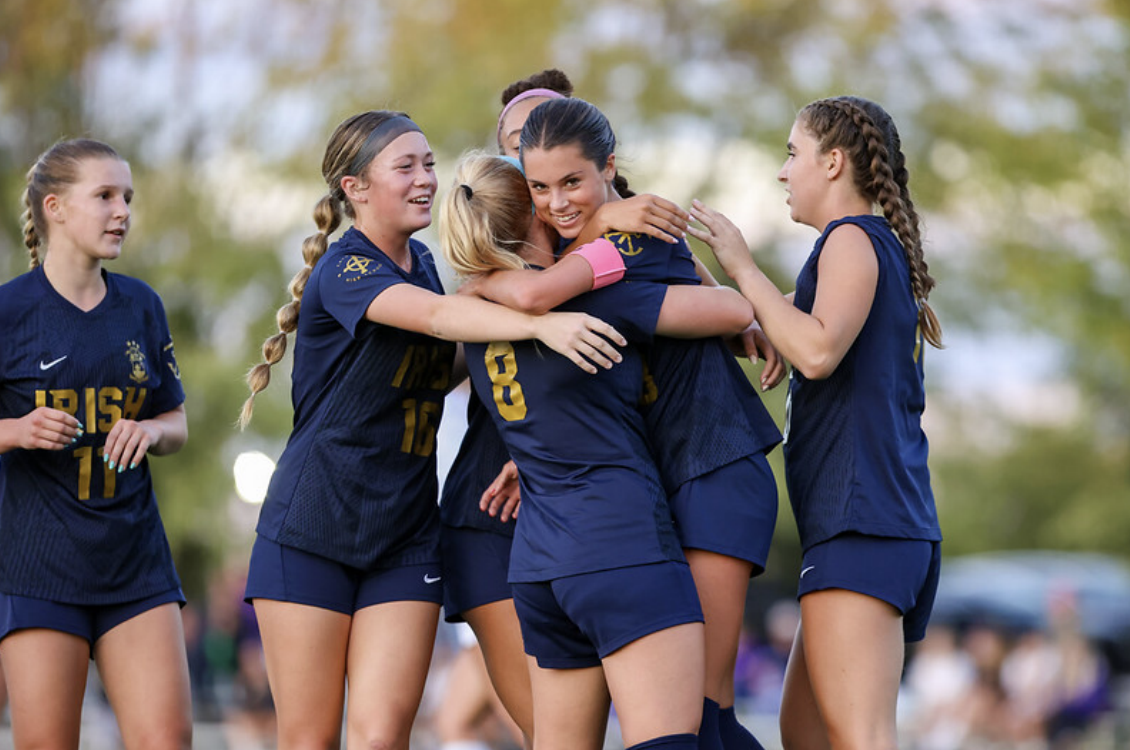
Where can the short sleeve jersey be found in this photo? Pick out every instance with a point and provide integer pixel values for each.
(481, 457)
(855, 452)
(591, 496)
(701, 410)
(71, 529)
(357, 482)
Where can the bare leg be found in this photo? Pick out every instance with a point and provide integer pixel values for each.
(722, 582)
(46, 674)
(570, 707)
(390, 650)
(305, 649)
(144, 669)
(500, 637)
(848, 661)
(656, 684)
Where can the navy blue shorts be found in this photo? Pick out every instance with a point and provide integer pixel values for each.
(475, 565)
(287, 574)
(89, 621)
(574, 622)
(902, 572)
(731, 511)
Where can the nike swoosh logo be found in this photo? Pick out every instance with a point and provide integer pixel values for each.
(810, 567)
(431, 579)
(52, 363)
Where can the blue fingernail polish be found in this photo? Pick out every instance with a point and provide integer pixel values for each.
(132, 466)
(111, 466)
(105, 458)
(121, 469)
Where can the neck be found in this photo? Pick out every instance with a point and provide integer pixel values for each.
(78, 280)
(394, 244)
(841, 206)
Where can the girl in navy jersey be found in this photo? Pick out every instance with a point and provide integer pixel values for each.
(855, 453)
(345, 572)
(89, 388)
(599, 579)
(712, 456)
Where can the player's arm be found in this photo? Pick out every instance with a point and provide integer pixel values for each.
(695, 312)
(129, 440)
(41, 429)
(641, 214)
(578, 336)
(848, 275)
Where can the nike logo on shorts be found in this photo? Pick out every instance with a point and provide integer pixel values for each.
(810, 567)
(431, 579)
(52, 363)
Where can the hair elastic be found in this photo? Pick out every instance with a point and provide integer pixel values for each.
(530, 94)
(467, 190)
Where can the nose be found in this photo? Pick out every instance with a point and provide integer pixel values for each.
(557, 200)
(783, 175)
(121, 209)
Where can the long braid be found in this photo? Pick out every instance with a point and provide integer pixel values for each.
(327, 217)
(31, 236)
(879, 166)
(342, 151)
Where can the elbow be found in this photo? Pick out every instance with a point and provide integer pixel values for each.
(530, 301)
(816, 367)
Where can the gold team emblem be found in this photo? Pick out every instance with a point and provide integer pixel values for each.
(137, 371)
(355, 267)
(625, 243)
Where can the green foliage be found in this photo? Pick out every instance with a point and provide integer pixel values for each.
(1015, 139)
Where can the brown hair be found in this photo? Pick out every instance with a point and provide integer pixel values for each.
(55, 170)
(550, 78)
(342, 150)
(869, 138)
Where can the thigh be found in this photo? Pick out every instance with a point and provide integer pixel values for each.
(46, 674)
(722, 582)
(144, 669)
(802, 727)
(390, 651)
(656, 683)
(305, 649)
(853, 646)
(570, 707)
(500, 637)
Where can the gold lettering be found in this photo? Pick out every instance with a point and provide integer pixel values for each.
(108, 400)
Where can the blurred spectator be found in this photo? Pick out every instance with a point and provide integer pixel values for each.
(940, 679)
(470, 715)
(760, 670)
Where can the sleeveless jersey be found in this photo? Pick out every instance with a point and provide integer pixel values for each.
(357, 482)
(71, 529)
(701, 410)
(855, 453)
(591, 496)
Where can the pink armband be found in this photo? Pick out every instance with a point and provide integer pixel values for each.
(605, 260)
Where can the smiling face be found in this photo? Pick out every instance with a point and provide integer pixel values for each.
(91, 217)
(567, 188)
(400, 185)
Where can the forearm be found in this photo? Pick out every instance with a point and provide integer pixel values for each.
(169, 430)
(462, 318)
(9, 435)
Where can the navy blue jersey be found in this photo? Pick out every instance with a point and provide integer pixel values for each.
(591, 496)
(71, 529)
(855, 453)
(481, 457)
(701, 410)
(357, 480)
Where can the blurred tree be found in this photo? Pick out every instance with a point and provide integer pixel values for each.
(1012, 116)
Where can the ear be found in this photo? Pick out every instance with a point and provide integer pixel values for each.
(835, 162)
(609, 171)
(354, 188)
(53, 208)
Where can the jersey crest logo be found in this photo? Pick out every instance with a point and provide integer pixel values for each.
(137, 372)
(354, 267)
(625, 243)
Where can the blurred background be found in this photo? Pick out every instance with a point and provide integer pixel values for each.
(1013, 115)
